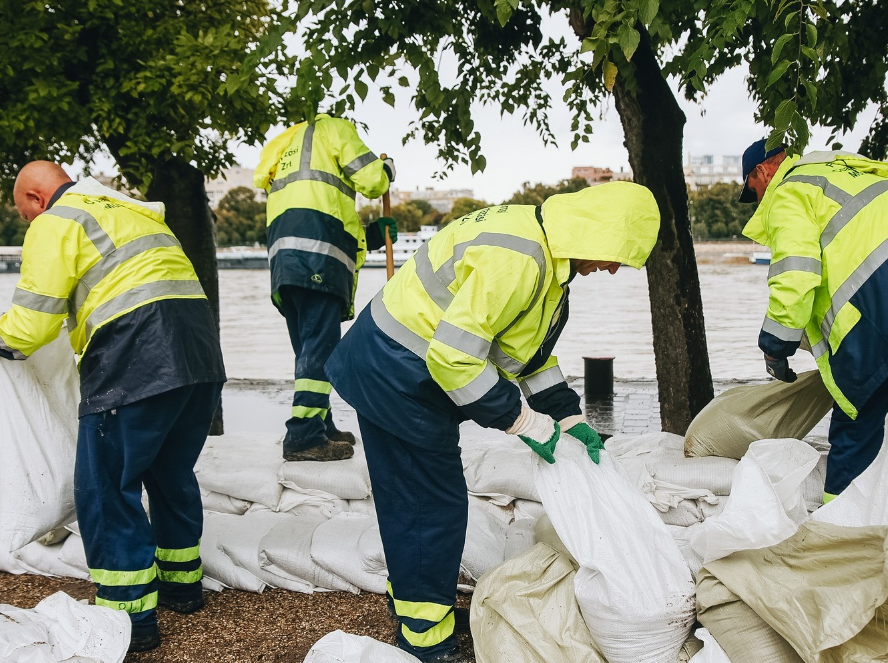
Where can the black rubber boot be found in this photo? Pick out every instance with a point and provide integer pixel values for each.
(144, 639)
(329, 450)
(341, 436)
(182, 606)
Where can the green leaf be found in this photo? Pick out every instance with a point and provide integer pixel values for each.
(504, 9)
(587, 45)
(789, 17)
(811, 90)
(609, 72)
(628, 40)
(812, 34)
(783, 114)
(647, 11)
(800, 128)
(777, 72)
(774, 140)
(361, 89)
(403, 82)
(820, 10)
(388, 97)
(810, 53)
(778, 47)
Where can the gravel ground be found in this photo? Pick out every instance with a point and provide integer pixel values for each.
(238, 627)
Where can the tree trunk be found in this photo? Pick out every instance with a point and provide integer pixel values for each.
(653, 127)
(181, 188)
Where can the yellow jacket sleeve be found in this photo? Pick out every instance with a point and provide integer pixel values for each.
(359, 165)
(49, 273)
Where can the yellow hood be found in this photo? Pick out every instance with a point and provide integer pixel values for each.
(615, 222)
(271, 157)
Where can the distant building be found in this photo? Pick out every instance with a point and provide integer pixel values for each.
(440, 199)
(623, 175)
(592, 174)
(706, 170)
(231, 178)
(117, 183)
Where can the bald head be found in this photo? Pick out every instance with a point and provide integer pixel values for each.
(34, 187)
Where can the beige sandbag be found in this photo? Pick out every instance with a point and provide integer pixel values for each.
(744, 636)
(525, 611)
(733, 420)
(824, 590)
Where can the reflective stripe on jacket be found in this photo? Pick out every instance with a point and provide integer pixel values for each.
(478, 301)
(312, 172)
(92, 257)
(825, 218)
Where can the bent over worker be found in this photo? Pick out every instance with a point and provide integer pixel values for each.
(151, 375)
(316, 245)
(825, 218)
(478, 306)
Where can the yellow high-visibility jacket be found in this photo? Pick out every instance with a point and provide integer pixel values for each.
(825, 218)
(479, 301)
(312, 172)
(94, 257)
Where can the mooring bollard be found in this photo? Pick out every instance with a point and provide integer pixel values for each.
(599, 378)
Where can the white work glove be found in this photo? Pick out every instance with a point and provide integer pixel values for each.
(538, 431)
(388, 165)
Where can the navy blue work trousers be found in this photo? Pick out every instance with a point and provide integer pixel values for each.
(313, 320)
(153, 443)
(422, 506)
(855, 442)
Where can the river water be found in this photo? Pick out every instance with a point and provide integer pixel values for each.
(609, 315)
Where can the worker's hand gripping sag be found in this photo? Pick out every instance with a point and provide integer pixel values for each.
(779, 368)
(538, 431)
(388, 165)
(589, 437)
(388, 222)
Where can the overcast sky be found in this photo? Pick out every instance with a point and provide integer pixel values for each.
(515, 153)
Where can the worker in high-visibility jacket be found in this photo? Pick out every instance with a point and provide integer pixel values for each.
(825, 218)
(151, 376)
(316, 245)
(479, 306)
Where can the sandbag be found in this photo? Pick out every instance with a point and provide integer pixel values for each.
(500, 469)
(371, 551)
(286, 549)
(219, 503)
(865, 501)
(633, 587)
(485, 540)
(219, 566)
(242, 465)
(73, 554)
(341, 647)
(304, 502)
(766, 504)
(335, 546)
(519, 537)
(62, 629)
(239, 538)
(711, 652)
(44, 560)
(742, 634)
(739, 416)
(38, 441)
(824, 590)
(346, 479)
(525, 611)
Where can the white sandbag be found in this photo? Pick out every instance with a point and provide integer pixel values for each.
(242, 465)
(303, 502)
(519, 538)
(711, 652)
(240, 538)
(500, 469)
(72, 554)
(44, 560)
(736, 418)
(766, 504)
(62, 629)
(335, 547)
(371, 551)
(52, 537)
(286, 550)
(367, 507)
(219, 503)
(690, 512)
(211, 584)
(38, 440)
(812, 487)
(341, 647)
(347, 479)
(633, 586)
(864, 502)
(682, 537)
(217, 565)
(485, 539)
(527, 509)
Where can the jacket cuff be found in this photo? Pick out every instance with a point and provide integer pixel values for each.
(558, 401)
(375, 240)
(498, 408)
(776, 347)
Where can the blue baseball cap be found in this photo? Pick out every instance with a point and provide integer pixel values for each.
(752, 157)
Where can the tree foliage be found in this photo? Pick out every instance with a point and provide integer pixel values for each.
(240, 218)
(12, 226)
(715, 212)
(535, 194)
(463, 206)
(149, 80)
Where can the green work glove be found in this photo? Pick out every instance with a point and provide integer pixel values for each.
(387, 222)
(538, 431)
(587, 435)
